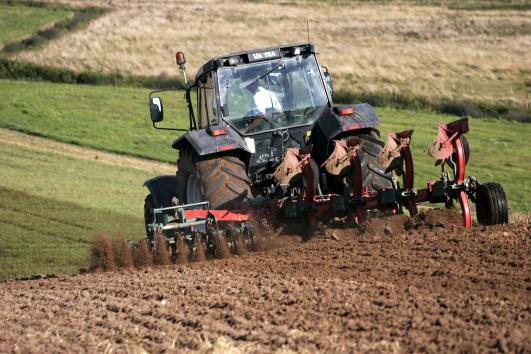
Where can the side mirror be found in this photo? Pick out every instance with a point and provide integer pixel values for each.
(156, 109)
(328, 80)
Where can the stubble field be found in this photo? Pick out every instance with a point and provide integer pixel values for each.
(435, 51)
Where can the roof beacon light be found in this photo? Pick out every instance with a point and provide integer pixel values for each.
(180, 59)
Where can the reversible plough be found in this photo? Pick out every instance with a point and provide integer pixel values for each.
(196, 222)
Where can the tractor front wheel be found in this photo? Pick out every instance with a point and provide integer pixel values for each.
(148, 216)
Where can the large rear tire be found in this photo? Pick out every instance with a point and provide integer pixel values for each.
(373, 174)
(220, 180)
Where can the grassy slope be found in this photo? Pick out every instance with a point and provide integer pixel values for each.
(52, 205)
(18, 21)
(103, 117)
(116, 119)
(453, 50)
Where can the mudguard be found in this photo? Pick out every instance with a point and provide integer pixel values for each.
(204, 142)
(347, 118)
(162, 189)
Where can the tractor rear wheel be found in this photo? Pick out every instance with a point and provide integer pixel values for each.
(374, 176)
(491, 204)
(220, 180)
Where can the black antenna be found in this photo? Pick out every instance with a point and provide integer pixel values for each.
(308, 28)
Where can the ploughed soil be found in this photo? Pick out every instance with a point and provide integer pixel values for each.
(403, 285)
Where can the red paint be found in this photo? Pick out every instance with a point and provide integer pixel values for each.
(460, 175)
(345, 111)
(409, 179)
(353, 126)
(220, 215)
(227, 147)
(216, 132)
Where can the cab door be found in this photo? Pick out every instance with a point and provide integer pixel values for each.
(206, 101)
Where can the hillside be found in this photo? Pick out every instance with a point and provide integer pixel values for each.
(428, 50)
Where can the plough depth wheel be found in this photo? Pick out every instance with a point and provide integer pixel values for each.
(491, 204)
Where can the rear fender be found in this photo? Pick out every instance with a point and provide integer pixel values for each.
(204, 143)
(162, 190)
(348, 118)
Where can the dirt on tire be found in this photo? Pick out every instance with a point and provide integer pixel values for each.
(403, 285)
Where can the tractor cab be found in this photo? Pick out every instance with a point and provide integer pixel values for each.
(269, 90)
(256, 105)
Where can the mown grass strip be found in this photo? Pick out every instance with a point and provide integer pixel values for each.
(114, 119)
(82, 16)
(19, 21)
(453, 107)
(20, 70)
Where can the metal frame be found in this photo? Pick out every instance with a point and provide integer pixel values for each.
(360, 201)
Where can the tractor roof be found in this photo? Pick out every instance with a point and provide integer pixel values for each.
(255, 55)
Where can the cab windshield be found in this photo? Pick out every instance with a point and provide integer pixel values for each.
(271, 95)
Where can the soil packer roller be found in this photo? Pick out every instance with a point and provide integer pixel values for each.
(265, 134)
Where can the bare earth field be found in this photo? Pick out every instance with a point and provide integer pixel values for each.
(395, 47)
(405, 286)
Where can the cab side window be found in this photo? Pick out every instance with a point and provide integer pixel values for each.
(206, 101)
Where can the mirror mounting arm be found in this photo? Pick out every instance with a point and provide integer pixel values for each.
(176, 129)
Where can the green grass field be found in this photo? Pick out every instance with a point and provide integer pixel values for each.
(18, 21)
(117, 119)
(52, 205)
(110, 118)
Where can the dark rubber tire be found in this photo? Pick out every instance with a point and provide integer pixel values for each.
(491, 204)
(466, 148)
(374, 176)
(148, 216)
(223, 180)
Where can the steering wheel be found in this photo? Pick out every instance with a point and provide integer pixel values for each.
(251, 116)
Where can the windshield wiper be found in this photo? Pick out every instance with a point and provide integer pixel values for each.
(278, 65)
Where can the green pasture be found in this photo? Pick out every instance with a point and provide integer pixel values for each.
(109, 118)
(18, 21)
(117, 119)
(52, 206)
